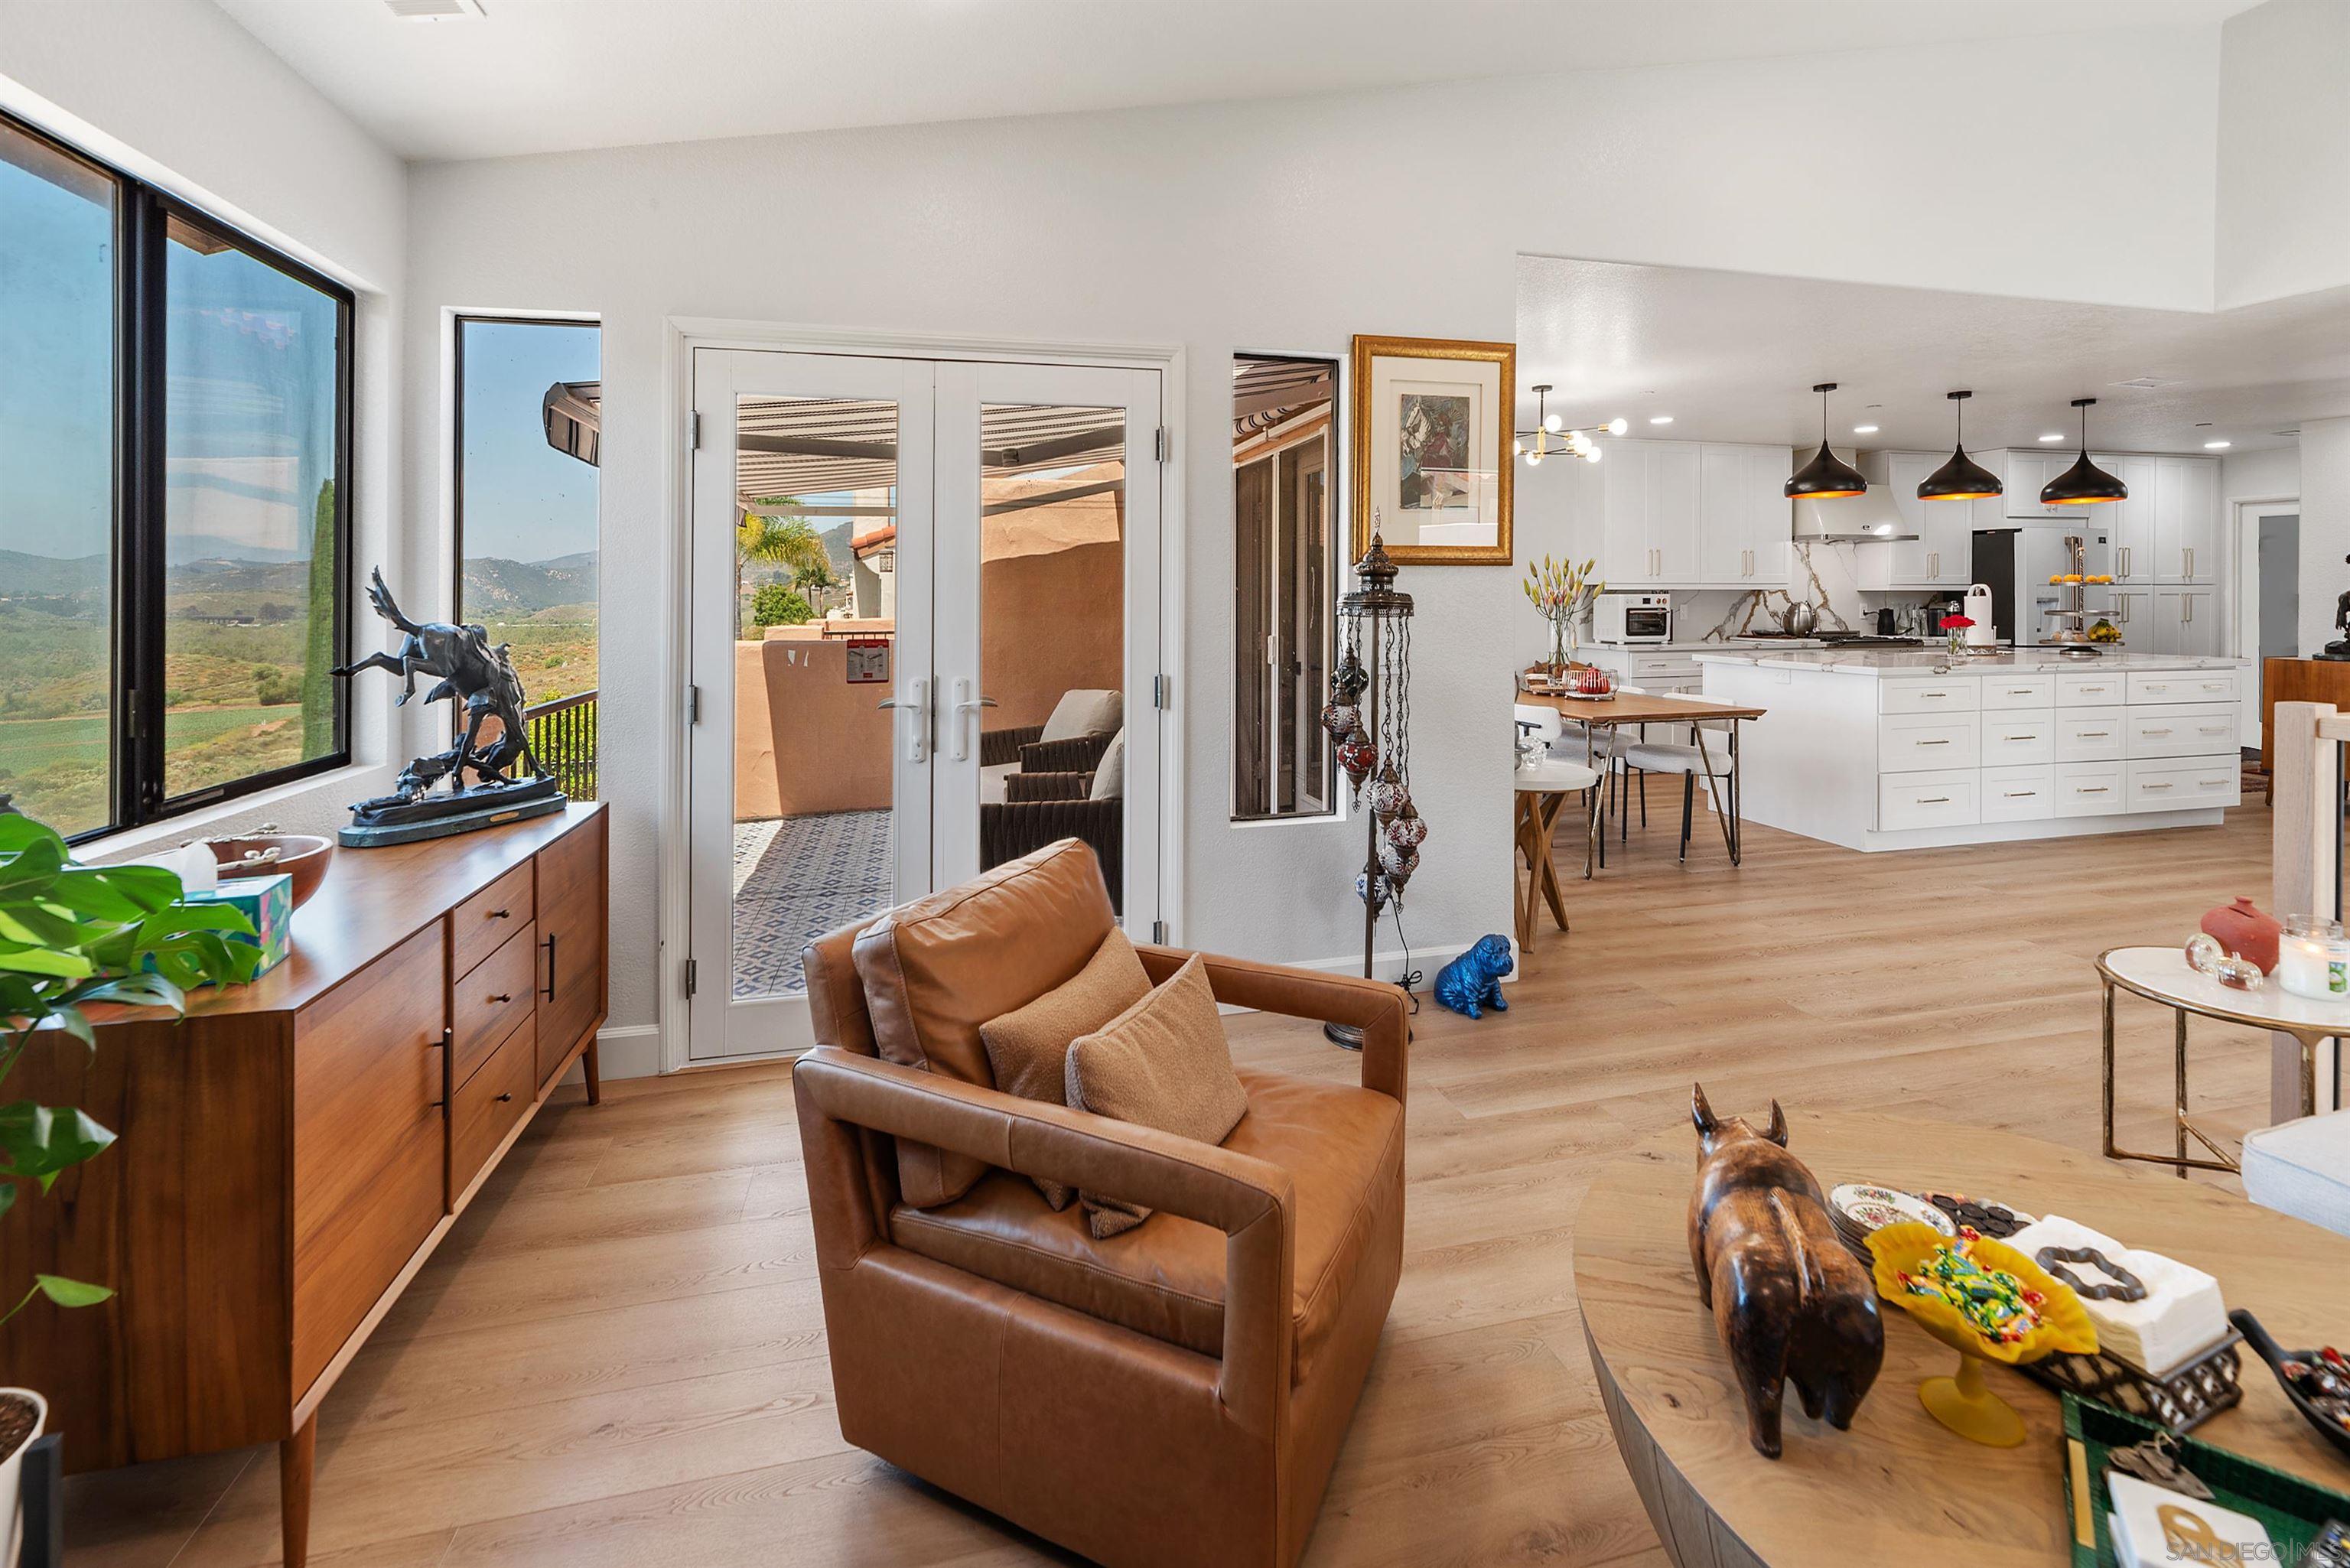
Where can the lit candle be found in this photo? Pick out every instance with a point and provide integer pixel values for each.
(2314, 960)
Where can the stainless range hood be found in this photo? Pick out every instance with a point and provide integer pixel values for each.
(1870, 518)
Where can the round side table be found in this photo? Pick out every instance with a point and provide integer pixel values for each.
(2163, 975)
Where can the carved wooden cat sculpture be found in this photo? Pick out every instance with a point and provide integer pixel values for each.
(1788, 1300)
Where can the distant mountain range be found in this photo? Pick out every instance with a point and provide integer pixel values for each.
(506, 589)
(494, 586)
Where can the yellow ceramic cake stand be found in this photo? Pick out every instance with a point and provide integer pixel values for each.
(1964, 1402)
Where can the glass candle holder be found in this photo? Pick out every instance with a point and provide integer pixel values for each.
(2314, 958)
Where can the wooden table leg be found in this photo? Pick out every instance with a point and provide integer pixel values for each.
(1546, 813)
(595, 1074)
(297, 1462)
(1521, 900)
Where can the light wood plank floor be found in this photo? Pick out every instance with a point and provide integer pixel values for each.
(618, 1358)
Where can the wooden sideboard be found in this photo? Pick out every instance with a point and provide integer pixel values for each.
(289, 1155)
(2296, 680)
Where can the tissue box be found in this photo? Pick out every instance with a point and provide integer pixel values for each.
(268, 903)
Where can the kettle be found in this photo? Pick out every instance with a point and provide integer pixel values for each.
(1799, 619)
(1983, 633)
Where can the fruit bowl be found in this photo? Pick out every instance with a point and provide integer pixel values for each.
(301, 856)
(1927, 1274)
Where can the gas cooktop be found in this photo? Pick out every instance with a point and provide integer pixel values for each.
(1835, 639)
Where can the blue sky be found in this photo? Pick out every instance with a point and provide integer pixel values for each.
(524, 500)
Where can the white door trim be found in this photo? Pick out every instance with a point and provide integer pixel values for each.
(2244, 514)
(684, 334)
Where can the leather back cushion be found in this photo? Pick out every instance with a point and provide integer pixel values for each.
(836, 996)
(935, 969)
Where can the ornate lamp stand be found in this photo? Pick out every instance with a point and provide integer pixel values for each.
(1369, 717)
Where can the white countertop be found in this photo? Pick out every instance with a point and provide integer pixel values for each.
(1883, 661)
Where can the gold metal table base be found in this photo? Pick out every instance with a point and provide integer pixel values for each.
(2182, 1128)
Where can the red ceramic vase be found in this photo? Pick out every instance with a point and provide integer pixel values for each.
(2243, 930)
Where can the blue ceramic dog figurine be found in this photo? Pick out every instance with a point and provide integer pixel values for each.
(1472, 981)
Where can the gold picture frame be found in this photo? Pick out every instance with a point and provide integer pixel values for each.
(1431, 449)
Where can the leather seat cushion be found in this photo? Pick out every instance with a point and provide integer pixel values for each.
(1343, 1149)
(937, 969)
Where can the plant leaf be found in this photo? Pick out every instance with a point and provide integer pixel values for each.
(40, 1141)
(48, 962)
(72, 1293)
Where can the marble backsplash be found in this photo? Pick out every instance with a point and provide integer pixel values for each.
(1823, 574)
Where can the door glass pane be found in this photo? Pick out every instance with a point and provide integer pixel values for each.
(815, 612)
(1052, 596)
(1283, 602)
(57, 483)
(252, 421)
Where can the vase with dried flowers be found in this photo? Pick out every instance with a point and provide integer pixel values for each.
(1563, 592)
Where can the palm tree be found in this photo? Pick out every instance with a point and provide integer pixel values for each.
(788, 542)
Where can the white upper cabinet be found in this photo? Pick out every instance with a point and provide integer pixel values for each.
(1692, 514)
(2186, 519)
(2026, 473)
(2130, 523)
(1942, 553)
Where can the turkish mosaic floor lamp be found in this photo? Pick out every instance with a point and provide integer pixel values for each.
(1369, 718)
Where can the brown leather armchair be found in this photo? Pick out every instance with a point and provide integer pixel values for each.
(1175, 1394)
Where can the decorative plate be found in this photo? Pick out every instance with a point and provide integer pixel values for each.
(1865, 1207)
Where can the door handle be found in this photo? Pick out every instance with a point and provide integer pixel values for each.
(917, 703)
(965, 703)
(550, 965)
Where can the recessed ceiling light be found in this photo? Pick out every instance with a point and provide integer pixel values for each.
(1660, 419)
(2216, 445)
(1864, 429)
(2054, 435)
(433, 10)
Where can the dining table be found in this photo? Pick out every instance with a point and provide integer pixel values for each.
(1602, 718)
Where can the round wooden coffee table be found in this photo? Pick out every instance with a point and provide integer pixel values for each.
(1897, 1487)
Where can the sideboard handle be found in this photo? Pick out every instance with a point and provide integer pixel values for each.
(503, 1099)
(503, 997)
(497, 915)
(550, 965)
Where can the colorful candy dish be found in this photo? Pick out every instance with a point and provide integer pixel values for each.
(1988, 1302)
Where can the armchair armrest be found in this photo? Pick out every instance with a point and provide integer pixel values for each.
(1251, 1201)
(1019, 787)
(1073, 753)
(1000, 746)
(1382, 1011)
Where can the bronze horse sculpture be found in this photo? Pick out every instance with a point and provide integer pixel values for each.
(1788, 1300)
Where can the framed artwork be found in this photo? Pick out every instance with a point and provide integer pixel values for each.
(1432, 449)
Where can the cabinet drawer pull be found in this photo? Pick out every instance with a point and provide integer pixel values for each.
(2019, 690)
(2089, 789)
(2150, 784)
(549, 993)
(1933, 694)
(497, 915)
(2090, 734)
(2164, 731)
(2022, 793)
(1933, 800)
(504, 1097)
(503, 997)
(2019, 737)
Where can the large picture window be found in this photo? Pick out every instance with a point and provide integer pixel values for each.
(175, 500)
(529, 402)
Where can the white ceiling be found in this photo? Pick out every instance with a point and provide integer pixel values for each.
(1732, 357)
(539, 76)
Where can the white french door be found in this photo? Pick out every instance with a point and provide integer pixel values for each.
(948, 557)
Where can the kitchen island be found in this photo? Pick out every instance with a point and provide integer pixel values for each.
(1889, 749)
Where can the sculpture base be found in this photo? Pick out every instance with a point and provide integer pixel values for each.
(2334, 653)
(392, 820)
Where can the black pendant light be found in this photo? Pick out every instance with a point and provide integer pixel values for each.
(1962, 478)
(2083, 483)
(1826, 476)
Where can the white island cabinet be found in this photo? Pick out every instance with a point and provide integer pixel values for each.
(1876, 749)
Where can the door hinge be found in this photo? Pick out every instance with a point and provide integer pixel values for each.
(1162, 692)
(1165, 445)
(693, 430)
(693, 705)
(1159, 933)
(692, 977)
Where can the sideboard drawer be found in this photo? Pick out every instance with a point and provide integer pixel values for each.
(2184, 729)
(2019, 691)
(2183, 686)
(2090, 691)
(1907, 743)
(489, 1104)
(1958, 694)
(2176, 784)
(2090, 734)
(1927, 800)
(2089, 789)
(486, 1001)
(2019, 794)
(2013, 738)
(482, 923)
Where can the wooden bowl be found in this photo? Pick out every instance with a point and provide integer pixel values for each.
(301, 856)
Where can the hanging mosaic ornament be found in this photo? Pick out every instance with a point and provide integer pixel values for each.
(1341, 720)
(1357, 756)
(1349, 682)
(1375, 893)
(1406, 829)
(1398, 863)
(1386, 794)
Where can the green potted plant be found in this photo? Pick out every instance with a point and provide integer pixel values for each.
(72, 937)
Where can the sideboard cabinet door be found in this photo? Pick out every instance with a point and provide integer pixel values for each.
(370, 1140)
(571, 901)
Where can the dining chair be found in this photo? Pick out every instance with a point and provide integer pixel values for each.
(1544, 779)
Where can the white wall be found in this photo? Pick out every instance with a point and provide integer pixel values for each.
(2283, 223)
(2324, 527)
(2261, 476)
(1293, 225)
(174, 92)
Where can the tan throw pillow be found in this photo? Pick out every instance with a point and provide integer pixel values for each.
(1163, 1062)
(1029, 1048)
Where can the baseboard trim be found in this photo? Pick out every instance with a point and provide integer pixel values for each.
(632, 1051)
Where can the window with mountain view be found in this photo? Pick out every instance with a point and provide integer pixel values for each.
(173, 501)
(527, 412)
